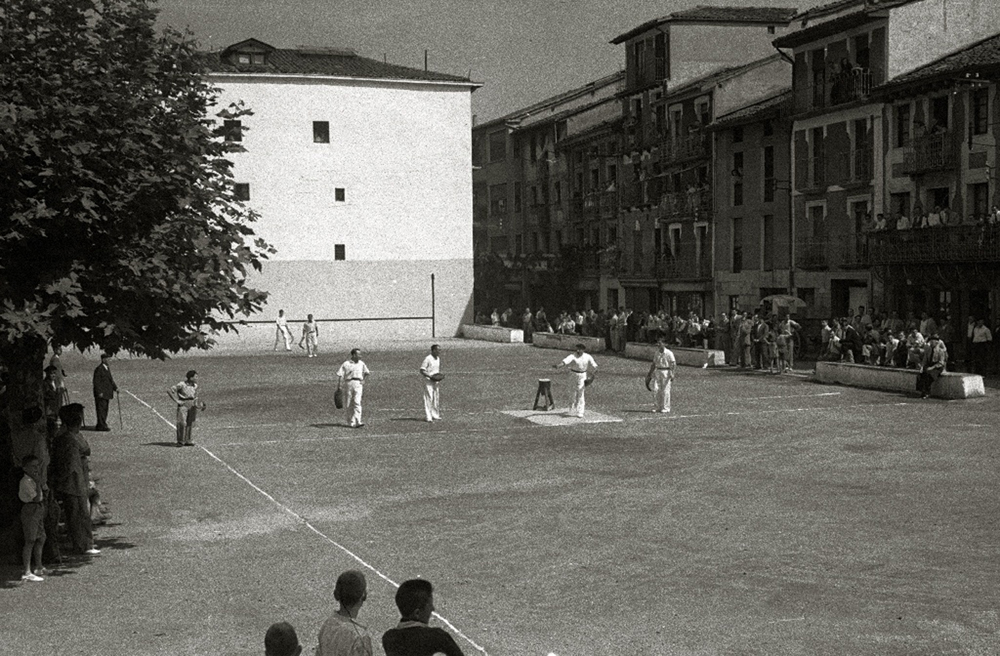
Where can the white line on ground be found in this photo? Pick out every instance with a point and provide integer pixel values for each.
(661, 417)
(306, 523)
(790, 396)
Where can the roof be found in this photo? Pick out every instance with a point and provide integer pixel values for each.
(712, 14)
(553, 101)
(720, 75)
(860, 12)
(984, 54)
(769, 107)
(304, 60)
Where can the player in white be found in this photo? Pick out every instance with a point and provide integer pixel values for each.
(579, 364)
(430, 369)
(282, 332)
(661, 373)
(352, 375)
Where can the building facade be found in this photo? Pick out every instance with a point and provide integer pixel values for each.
(360, 172)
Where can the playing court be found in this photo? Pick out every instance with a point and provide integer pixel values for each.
(764, 515)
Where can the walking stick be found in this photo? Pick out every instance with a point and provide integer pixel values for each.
(121, 424)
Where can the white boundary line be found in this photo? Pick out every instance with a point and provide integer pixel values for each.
(306, 523)
(661, 417)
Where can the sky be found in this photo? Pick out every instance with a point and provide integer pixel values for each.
(521, 51)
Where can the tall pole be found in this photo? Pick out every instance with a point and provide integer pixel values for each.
(433, 310)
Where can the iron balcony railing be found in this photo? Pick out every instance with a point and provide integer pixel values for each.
(683, 268)
(851, 85)
(685, 147)
(932, 152)
(680, 204)
(847, 252)
(938, 245)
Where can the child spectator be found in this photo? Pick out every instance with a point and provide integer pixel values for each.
(412, 636)
(281, 640)
(341, 634)
(32, 517)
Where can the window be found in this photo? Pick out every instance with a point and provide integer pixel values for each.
(560, 131)
(498, 146)
(257, 58)
(534, 148)
(242, 191)
(978, 201)
(612, 174)
(661, 119)
(939, 114)
(595, 179)
(232, 130)
(321, 131)
(980, 111)
(738, 134)
(818, 163)
(557, 191)
(939, 197)
(769, 182)
(899, 204)
(638, 50)
(737, 240)
(339, 194)
(517, 196)
(498, 199)
(737, 175)
(339, 252)
(534, 196)
(768, 128)
(660, 55)
(518, 244)
(767, 243)
(902, 125)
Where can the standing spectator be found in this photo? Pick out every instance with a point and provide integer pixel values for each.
(735, 350)
(982, 338)
(932, 366)
(495, 317)
(310, 335)
(927, 324)
(30, 491)
(746, 342)
(59, 375)
(185, 395)
(580, 364)
(527, 325)
(53, 401)
(104, 391)
(281, 640)
(72, 479)
(505, 318)
(412, 636)
(282, 332)
(352, 374)
(825, 333)
(430, 369)
(542, 321)
(342, 634)
(790, 328)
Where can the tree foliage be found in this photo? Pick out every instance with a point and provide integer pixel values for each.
(119, 227)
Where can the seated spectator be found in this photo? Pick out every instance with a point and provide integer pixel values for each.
(903, 223)
(412, 636)
(341, 634)
(281, 640)
(935, 358)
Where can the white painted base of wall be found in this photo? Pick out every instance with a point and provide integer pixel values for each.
(687, 357)
(567, 342)
(493, 333)
(950, 385)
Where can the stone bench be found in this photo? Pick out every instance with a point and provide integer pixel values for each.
(493, 333)
(567, 342)
(689, 357)
(950, 385)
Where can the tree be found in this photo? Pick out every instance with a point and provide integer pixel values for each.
(119, 226)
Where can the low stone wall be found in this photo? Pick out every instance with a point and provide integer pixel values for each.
(493, 333)
(950, 385)
(688, 357)
(567, 342)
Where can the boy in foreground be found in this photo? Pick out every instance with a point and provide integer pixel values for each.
(412, 636)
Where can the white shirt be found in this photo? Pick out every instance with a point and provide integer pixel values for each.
(981, 334)
(431, 365)
(282, 322)
(580, 364)
(351, 369)
(664, 359)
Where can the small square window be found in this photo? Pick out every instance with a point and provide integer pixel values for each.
(770, 29)
(339, 194)
(232, 130)
(738, 134)
(321, 131)
(242, 191)
(243, 58)
(339, 252)
(258, 58)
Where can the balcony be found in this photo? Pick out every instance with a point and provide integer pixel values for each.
(932, 152)
(851, 85)
(848, 252)
(687, 204)
(941, 245)
(683, 148)
(683, 268)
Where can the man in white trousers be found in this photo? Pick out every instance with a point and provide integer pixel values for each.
(430, 370)
(579, 364)
(282, 331)
(351, 377)
(661, 374)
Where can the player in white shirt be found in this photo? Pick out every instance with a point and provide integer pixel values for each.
(282, 331)
(351, 376)
(661, 373)
(430, 368)
(579, 364)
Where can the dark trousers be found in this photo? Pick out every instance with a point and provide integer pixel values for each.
(78, 526)
(101, 407)
(926, 379)
(980, 357)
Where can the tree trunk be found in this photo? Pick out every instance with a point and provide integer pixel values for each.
(24, 361)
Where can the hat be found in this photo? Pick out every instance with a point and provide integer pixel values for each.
(935, 336)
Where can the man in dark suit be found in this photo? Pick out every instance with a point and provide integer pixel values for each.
(104, 391)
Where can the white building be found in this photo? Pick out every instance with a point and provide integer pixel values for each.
(361, 172)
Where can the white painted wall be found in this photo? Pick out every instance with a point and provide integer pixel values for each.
(922, 32)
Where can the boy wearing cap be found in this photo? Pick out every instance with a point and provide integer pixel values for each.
(341, 634)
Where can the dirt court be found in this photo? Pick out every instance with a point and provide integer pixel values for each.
(765, 515)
